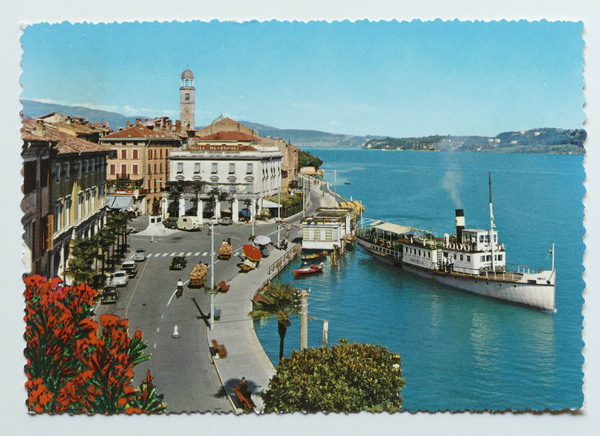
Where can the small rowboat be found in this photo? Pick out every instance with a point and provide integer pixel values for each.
(309, 269)
(314, 256)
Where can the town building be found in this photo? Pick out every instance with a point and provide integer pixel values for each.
(234, 169)
(64, 187)
(138, 172)
(187, 100)
(330, 228)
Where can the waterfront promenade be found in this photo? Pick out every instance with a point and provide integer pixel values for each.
(235, 329)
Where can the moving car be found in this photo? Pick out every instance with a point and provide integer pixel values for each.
(119, 278)
(140, 255)
(226, 221)
(189, 223)
(110, 295)
(131, 268)
(178, 262)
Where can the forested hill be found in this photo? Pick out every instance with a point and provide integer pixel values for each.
(544, 140)
(310, 138)
(115, 120)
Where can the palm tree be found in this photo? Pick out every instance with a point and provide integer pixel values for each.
(83, 253)
(278, 300)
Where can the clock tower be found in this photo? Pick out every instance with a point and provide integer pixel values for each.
(187, 100)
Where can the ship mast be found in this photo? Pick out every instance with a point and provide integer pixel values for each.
(491, 221)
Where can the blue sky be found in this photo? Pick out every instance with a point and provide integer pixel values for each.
(380, 78)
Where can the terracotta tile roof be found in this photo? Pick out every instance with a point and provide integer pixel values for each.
(65, 143)
(229, 136)
(138, 131)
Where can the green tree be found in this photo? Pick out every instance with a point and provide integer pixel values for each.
(280, 301)
(347, 378)
(80, 267)
(305, 159)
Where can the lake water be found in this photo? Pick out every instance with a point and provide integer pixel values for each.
(459, 351)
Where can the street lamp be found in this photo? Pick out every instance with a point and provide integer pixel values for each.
(212, 271)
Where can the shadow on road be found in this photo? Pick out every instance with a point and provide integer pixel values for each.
(202, 316)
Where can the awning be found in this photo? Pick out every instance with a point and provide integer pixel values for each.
(270, 205)
(394, 228)
(119, 201)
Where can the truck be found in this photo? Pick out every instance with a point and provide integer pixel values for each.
(198, 275)
(191, 223)
(225, 251)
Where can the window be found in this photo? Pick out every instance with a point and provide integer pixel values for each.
(67, 211)
(468, 258)
(179, 167)
(86, 168)
(80, 205)
(57, 217)
(113, 169)
(249, 169)
(134, 169)
(232, 168)
(135, 153)
(123, 154)
(197, 168)
(149, 154)
(187, 96)
(67, 170)
(215, 168)
(161, 168)
(123, 170)
(149, 168)
(57, 173)
(483, 258)
(79, 168)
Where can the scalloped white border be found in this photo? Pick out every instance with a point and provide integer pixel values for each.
(17, 14)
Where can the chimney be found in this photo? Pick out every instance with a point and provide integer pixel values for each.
(138, 121)
(169, 125)
(39, 128)
(460, 224)
(127, 124)
(178, 125)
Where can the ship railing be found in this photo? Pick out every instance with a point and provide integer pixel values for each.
(485, 273)
(522, 269)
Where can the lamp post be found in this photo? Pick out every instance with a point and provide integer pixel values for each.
(212, 271)
(279, 219)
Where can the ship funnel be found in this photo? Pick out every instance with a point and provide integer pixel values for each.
(460, 224)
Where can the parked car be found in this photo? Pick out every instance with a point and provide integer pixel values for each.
(110, 295)
(119, 278)
(131, 229)
(178, 262)
(226, 221)
(170, 223)
(140, 255)
(131, 268)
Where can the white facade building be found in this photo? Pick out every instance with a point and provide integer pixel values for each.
(244, 174)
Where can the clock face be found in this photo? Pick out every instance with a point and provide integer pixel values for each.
(187, 96)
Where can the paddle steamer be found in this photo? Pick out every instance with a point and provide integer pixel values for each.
(473, 260)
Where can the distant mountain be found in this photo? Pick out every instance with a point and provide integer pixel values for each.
(543, 140)
(310, 138)
(115, 120)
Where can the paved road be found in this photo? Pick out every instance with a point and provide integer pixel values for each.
(182, 367)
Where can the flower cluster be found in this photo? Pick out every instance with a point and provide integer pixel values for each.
(75, 365)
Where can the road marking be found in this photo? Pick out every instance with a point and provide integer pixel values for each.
(154, 346)
(162, 316)
(173, 254)
(172, 295)
(197, 253)
(158, 330)
(205, 253)
(189, 254)
(165, 254)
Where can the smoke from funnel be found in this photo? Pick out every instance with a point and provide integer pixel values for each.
(450, 183)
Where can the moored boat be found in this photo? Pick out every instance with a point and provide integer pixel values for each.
(308, 269)
(473, 260)
(313, 256)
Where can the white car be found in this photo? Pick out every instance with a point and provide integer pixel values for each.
(119, 278)
(140, 255)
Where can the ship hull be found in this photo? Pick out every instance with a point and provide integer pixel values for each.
(538, 296)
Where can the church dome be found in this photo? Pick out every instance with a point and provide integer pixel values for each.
(187, 75)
